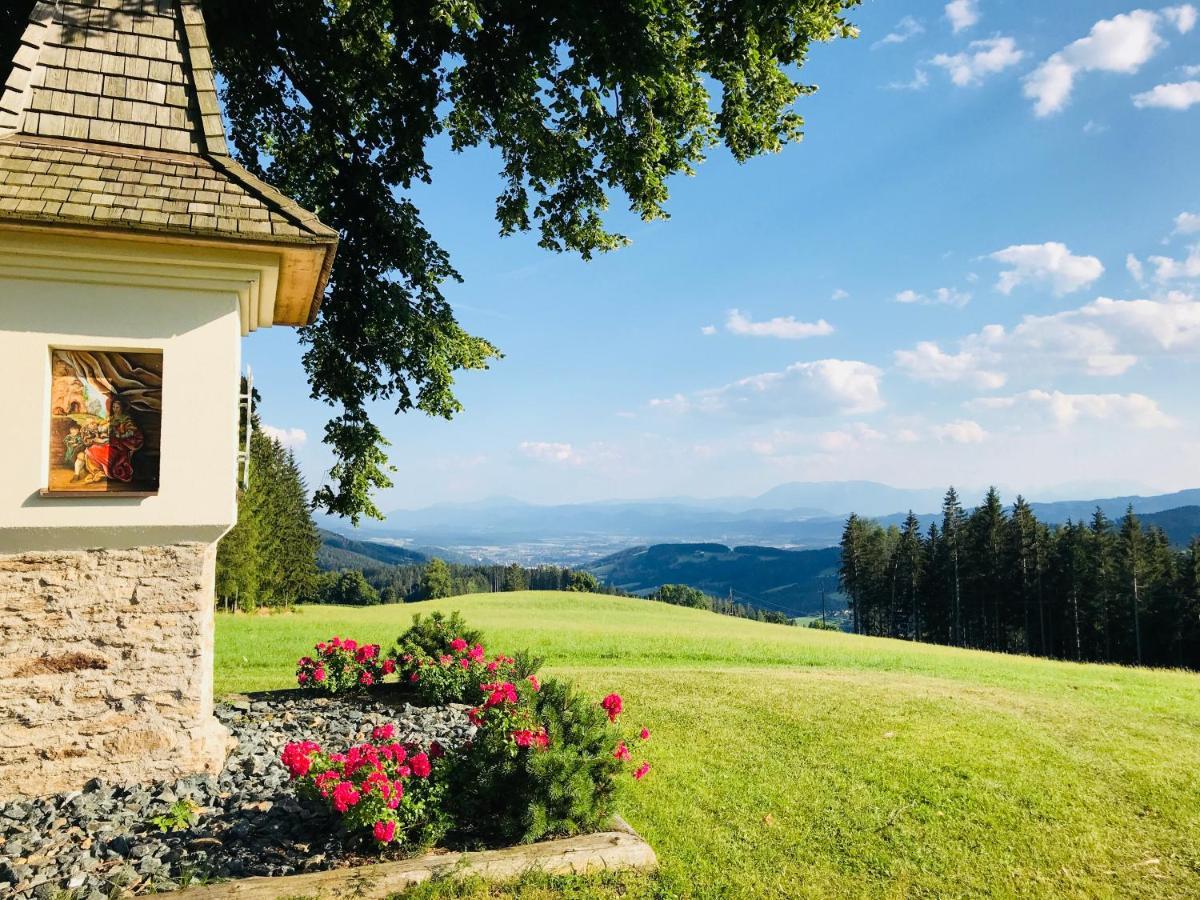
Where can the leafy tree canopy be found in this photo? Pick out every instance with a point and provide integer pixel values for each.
(336, 102)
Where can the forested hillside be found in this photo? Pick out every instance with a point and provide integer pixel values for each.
(789, 581)
(340, 552)
(1000, 579)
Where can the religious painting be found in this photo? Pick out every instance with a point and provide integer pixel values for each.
(105, 422)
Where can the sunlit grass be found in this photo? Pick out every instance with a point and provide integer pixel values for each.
(791, 762)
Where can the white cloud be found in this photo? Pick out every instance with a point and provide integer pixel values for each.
(289, 437)
(551, 451)
(1129, 410)
(839, 294)
(1103, 338)
(962, 14)
(981, 58)
(1050, 262)
(960, 431)
(1134, 266)
(1187, 223)
(928, 362)
(1191, 71)
(919, 82)
(709, 329)
(823, 387)
(1120, 44)
(906, 29)
(941, 297)
(1177, 95)
(1182, 17)
(850, 438)
(1093, 127)
(785, 327)
(1168, 269)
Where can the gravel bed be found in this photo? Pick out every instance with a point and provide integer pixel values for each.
(100, 843)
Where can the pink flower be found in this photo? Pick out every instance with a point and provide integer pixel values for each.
(458, 645)
(492, 666)
(414, 677)
(622, 752)
(612, 705)
(344, 796)
(335, 642)
(384, 732)
(641, 771)
(319, 674)
(389, 666)
(522, 738)
(349, 644)
(476, 652)
(384, 832)
(645, 734)
(297, 757)
(542, 739)
(301, 678)
(420, 765)
(366, 678)
(436, 750)
(537, 685)
(445, 659)
(465, 663)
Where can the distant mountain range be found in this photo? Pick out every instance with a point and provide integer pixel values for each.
(795, 515)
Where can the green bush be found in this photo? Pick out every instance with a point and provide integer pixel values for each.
(431, 636)
(544, 765)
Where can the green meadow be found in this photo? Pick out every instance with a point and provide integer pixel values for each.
(790, 762)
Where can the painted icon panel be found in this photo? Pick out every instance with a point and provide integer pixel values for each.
(105, 421)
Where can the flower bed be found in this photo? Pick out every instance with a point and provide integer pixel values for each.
(320, 782)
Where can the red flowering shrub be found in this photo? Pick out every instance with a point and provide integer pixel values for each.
(544, 761)
(391, 791)
(343, 665)
(457, 675)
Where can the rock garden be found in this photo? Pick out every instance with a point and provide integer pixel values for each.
(375, 757)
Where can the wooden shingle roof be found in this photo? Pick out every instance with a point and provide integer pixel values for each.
(110, 119)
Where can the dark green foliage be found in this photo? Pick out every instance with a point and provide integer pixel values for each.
(681, 595)
(437, 582)
(348, 588)
(430, 636)
(515, 579)
(583, 582)
(498, 796)
(269, 557)
(1001, 580)
(824, 625)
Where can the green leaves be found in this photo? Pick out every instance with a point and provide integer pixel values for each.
(335, 102)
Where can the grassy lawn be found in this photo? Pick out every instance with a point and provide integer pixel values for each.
(790, 762)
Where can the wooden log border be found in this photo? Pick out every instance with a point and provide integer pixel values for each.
(618, 849)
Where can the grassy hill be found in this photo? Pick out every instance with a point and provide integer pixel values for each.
(795, 763)
(788, 580)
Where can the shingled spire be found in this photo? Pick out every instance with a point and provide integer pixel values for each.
(110, 119)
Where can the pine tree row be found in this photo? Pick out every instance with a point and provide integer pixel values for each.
(998, 579)
(269, 558)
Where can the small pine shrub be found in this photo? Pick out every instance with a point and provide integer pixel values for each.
(431, 636)
(544, 762)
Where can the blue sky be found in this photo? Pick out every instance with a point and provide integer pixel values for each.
(982, 265)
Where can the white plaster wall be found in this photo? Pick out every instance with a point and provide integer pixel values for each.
(198, 331)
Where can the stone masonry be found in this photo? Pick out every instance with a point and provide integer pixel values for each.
(106, 660)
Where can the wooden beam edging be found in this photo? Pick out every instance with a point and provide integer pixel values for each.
(620, 848)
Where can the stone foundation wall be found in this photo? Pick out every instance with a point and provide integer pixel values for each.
(106, 663)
